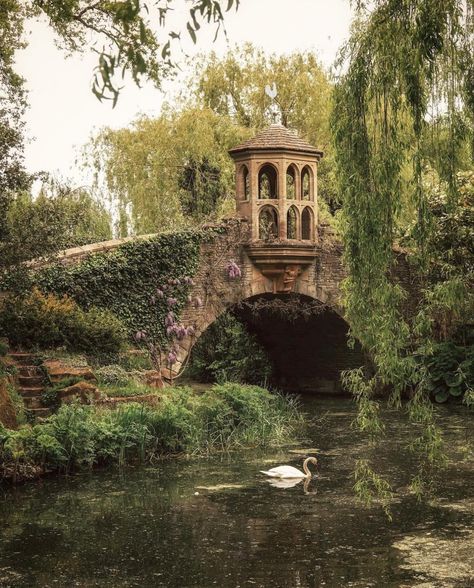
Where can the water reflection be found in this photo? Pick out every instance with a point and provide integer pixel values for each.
(215, 522)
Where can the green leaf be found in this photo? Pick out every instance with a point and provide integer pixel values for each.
(441, 397)
(191, 32)
(456, 391)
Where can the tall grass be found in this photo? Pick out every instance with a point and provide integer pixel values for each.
(227, 416)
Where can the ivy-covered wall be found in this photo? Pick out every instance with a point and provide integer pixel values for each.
(125, 280)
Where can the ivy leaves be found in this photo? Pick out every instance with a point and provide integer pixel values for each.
(125, 280)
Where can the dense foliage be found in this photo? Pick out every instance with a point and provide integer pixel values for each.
(187, 177)
(13, 176)
(125, 281)
(404, 111)
(225, 417)
(53, 221)
(35, 320)
(228, 352)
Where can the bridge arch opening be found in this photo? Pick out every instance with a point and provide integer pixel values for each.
(304, 340)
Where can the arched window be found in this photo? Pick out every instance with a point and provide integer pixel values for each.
(306, 187)
(268, 223)
(245, 182)
(291, 182)
(267, 182)
(307, 224)
(292, 223)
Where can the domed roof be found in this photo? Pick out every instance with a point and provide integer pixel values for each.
(276, 138)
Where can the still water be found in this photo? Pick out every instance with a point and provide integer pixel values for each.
(218, 522)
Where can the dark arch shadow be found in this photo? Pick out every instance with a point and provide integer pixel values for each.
(305, 340)
(308, 346)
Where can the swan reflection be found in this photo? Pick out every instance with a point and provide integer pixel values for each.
(291, 482)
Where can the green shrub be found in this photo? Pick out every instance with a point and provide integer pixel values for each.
(112, 374)
(3, 348)
(50, 397)
(225, 417)
(44, 321)
(135, 361)
(450, 371)
(129, 389)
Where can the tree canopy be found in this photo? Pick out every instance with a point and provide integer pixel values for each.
(168, 172)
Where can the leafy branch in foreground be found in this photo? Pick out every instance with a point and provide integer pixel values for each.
(129, 36)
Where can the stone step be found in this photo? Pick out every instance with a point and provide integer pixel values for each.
(30, 370)
(31, 392)
(33, 403)
(40, 413)
(30, 381)
(24, 358)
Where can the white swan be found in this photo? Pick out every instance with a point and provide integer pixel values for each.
(291, 472)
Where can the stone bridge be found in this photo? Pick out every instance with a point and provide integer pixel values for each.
(288, 295)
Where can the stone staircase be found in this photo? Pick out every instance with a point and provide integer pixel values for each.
(31, 382)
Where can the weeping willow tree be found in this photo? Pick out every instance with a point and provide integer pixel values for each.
(403, 126)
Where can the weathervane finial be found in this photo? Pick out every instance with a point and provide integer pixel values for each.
(271, 92)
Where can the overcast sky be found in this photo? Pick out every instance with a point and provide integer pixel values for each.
(64, 113)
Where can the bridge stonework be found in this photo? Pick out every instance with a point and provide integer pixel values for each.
(318, 281)
(310, 353)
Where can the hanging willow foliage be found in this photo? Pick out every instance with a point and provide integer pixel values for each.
(404, 110)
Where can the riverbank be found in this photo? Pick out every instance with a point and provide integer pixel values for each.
(78, 437)
(218, 522)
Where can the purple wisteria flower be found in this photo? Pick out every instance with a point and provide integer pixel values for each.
(170, 319)
(171, 301)
(233, 270)
(140, 335)
(172, 357)
(198, 302)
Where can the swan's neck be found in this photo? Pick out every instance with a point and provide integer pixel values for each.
(306, 468)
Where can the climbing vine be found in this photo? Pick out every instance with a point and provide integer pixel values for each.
(126, 280)
(404, 112)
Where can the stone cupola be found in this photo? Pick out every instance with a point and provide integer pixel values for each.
(276, 185)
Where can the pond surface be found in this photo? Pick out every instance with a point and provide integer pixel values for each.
(218, 522)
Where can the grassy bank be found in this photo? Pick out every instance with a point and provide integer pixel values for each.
(226, 417)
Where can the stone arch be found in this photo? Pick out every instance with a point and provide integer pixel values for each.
(310, 351)
(307, 183)
(268, 223)
(307, 224)
(244, 182)
(292, 223)
(291, 173)
(268, 182)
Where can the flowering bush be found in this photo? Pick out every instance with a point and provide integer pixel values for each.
(167, 351)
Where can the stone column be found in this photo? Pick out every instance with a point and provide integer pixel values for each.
(282, 203)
